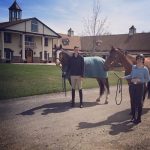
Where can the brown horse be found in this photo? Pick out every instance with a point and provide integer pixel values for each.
(62, 59)
(120, 56)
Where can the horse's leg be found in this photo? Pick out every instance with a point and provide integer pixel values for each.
(101, 89)
(106, 83)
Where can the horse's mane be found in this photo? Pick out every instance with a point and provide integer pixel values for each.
(126, 62)
(132, 59)
(129, 57)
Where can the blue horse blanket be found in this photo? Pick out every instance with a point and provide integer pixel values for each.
(94, 67)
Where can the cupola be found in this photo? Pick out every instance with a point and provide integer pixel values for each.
(70, 32)
(15, 12)
(132, 30)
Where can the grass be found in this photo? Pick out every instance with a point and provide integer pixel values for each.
(27, 80)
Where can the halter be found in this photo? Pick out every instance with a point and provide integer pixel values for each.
(57, 54)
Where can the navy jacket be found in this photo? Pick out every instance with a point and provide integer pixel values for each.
(76, 65)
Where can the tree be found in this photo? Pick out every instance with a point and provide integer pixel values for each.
(94, 26)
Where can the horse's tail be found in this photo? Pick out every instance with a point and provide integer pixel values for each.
(148, 90)
(107, 85)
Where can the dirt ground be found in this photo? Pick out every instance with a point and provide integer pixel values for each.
(47, 122)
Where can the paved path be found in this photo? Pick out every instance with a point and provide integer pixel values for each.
(46, 122)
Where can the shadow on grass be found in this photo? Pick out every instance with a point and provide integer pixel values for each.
(120, 122)
(55, 108)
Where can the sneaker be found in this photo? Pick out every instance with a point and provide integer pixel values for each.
(81, 106)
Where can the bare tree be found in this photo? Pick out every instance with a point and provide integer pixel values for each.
(94, 26)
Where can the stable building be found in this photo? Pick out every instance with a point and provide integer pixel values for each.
(132, 42)
(25, 40)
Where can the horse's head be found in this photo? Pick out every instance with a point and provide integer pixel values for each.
(57, 50)
(62, 59)
(118, 56)
(112, 59)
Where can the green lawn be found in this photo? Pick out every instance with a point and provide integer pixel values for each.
(25, 80)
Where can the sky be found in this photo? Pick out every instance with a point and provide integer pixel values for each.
(61, 15)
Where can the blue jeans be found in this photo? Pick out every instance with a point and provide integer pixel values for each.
(136, 95)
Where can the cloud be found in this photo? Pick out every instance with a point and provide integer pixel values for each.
(60, 15)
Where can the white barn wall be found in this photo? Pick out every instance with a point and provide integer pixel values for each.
(18, 27)
(14, 45)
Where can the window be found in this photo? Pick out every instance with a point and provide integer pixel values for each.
(65, 41)
(29, 41)
(34, 25)
(7, 37)
(29, 38)
(45, 55)
(8, 54)
(46, 42)
(41, 55)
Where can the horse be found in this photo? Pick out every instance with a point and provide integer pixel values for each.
(118, 55)
(93, 68)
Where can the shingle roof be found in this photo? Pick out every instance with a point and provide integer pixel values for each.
(15, 6)
(7, 24)
(4, 25)
(138, 41)
(73, 41)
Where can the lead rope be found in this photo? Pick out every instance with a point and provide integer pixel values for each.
(64, 84)
(119, 90)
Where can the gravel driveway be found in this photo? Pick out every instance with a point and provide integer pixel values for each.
(47, 122)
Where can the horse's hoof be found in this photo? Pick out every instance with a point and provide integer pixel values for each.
(106, 102)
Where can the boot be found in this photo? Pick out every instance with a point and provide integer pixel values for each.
(73, 97)
(81, 98)
(132, 107)
(139, 114)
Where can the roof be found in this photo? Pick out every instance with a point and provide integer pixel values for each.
(138, 41)
(73, 41)
(135, 42)
(15, 6)
(4, 25)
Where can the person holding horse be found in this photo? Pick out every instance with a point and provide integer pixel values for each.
(139, 77)
(76, 70)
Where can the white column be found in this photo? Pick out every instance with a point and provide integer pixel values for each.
(2, 35)
(23, 47)
(43, 48)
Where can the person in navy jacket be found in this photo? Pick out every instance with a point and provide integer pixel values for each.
(76, 69)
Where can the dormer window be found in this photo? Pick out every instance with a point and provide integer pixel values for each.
(65, 41)
(34, 25)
